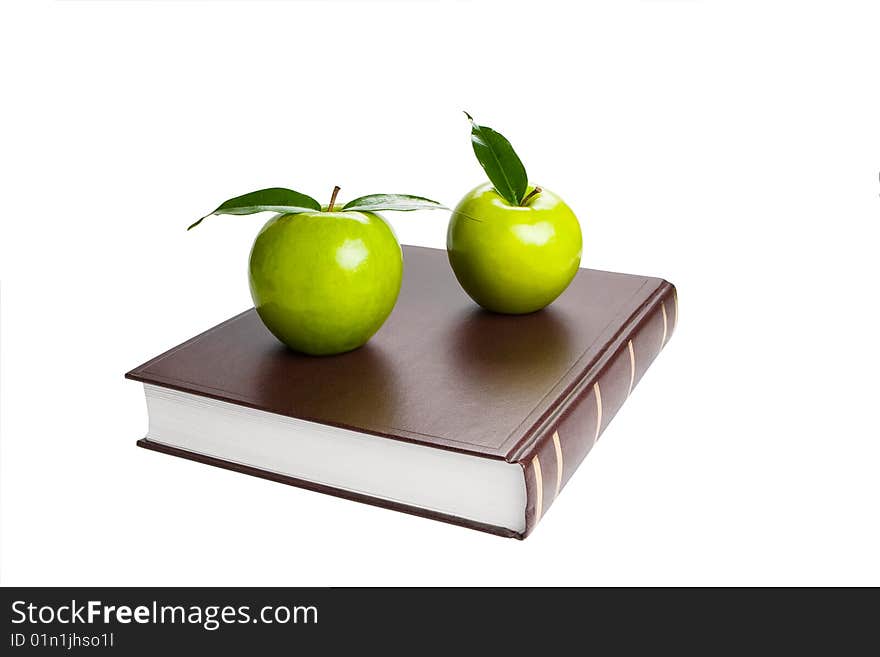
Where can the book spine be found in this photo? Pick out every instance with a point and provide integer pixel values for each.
(572, 430)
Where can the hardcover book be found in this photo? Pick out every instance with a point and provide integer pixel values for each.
(448, 412)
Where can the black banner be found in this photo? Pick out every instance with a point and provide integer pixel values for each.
(132, 621)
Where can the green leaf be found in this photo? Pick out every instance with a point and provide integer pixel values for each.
(398, 202)
(500, 162)
(274, 199)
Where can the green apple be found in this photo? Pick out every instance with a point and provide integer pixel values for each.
(513, 259)
(324, 279)
(324, 282)
(514, 247)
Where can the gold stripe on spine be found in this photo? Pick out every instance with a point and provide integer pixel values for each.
(663, 308)
(675, 304)
(632, 368)
(539, 484)
(598, 410)
(558, 447)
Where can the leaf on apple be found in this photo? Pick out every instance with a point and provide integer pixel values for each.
(274, 199)
(500, 162)
(396, 202)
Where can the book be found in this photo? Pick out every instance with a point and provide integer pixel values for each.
(449, 412)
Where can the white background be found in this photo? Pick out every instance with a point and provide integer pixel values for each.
(732, 148)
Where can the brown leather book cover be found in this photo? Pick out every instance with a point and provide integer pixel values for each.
(536, 389)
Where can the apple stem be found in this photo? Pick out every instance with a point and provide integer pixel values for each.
(534, 192)
(333, 198)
